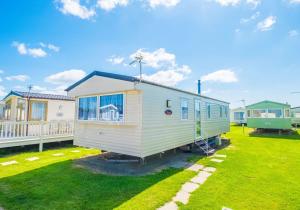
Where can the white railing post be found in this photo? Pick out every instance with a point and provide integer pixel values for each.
(41, 136)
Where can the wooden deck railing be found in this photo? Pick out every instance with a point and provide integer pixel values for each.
(12, 132)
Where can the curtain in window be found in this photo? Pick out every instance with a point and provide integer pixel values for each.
(111, 107)
(87, 108)
(38, 110)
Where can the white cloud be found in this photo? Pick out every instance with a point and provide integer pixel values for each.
(156, 59)
(116, 60)
(228, 2)
(24, 50)
(204, 92)
(168, 72)
(168, 77)
(111, 4)
(73, 7)
(266, 24)
(20, 77)
(53, 47)
(2, 91)
(165, 3)
(254, 3)
(66, 77)
(293, 33)
(222, 75)
(295, 1)
(1, 71)
(50, 47)
(251, 18)
(36, 52)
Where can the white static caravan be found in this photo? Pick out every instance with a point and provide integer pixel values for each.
(42, 107)
(238, 115)
(151, 118)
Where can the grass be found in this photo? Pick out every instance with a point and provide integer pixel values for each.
(54, 183)
(260, 172)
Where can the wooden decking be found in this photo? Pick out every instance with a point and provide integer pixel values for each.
(29, 133)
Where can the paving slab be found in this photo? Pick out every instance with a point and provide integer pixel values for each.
(226, 208)
(219, 156)
(182, 197)
(58, 154)
(195, 167)
(216, 160)
(169, 206)
(198, 179)
(189, 187)
(201, 177)
(9, 163)
(209, 169)
(32, 158)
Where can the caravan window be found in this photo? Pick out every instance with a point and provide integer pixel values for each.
(259, 113)
(38, 110)
(111, 107)
(208, 110)
(226, 111)
(287, 113)
(87, 108)
(274, 113)
(184, 109)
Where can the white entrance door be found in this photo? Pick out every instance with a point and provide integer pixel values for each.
(197, 119)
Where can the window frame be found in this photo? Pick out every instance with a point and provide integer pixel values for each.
(208, 111)
(282, 113)
(98, 107)
(30, 109)
(187, 101)
(252, 113)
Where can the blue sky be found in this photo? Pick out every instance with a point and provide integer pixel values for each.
(241, 49)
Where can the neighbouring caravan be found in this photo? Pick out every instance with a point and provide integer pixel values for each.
(269, 115)
(238, 115)
(295, 116)
(42, 107)
(126, 115)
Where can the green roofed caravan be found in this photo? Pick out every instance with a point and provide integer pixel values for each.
(269, 115)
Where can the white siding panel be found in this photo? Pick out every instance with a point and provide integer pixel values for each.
(162, 132)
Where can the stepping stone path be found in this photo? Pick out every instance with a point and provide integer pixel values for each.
(195, 167)
(169, 206)
(9, 163)
(219, 156)
(209, 169)
(75, 151)
(32, 158)
(216, 160)
(226, 208)
(182, 197)
(58, 154)
(187, 188)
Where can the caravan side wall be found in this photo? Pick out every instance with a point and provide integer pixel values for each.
(161, 132)
(125, 137)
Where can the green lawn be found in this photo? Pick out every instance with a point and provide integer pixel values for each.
(258, 173)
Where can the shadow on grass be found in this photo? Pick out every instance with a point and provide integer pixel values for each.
(61, 186)
(290, 135)
(34, 148)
